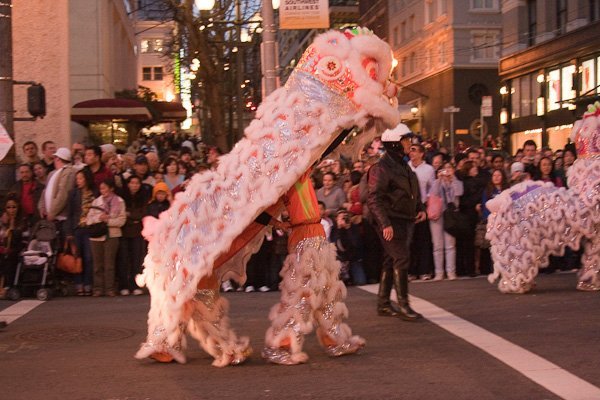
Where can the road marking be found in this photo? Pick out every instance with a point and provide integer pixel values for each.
(546, 374)
(16, 311)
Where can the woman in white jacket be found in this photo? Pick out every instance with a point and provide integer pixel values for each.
(110, 209)
(449, 188)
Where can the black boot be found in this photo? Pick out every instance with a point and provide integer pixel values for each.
(401, 286)
(384, 305)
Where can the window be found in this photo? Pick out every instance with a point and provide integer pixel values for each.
(412, 63)
(411, 25)
(158, 73)
(152, 46)
(531, 22)
(147, 73)
(515, 99)
(484, 4)
(594, 10)
(561, 16)
(553, 90)
(428, 59)
(526, 99)
(441, 53)
(485, 46)
(404, 66)
(152, 73)
(403, 31)
(396, 36)
(429, 11)
(567, 92)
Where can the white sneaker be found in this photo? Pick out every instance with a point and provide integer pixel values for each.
(227, 286)
(264, 289)
(249, 289)
(451, 276)
(138, 292)
(124, 292)
(438, 277)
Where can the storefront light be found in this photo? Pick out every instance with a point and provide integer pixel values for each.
(540, 106)
(504, 116)
(503, 90)
(541, 78)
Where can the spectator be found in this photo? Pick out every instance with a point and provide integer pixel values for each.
(449, 188)
(528, 160)
(497, 162)
(172, 177)
(325, 221)
(132, 247)
(332, 196)
(30, 152)
(465, 243)
(212, 158)
(348, 242)
(517, 173)
(141, 170)
(497, 184)
(358, 166)
(354, 204)
(28, 192)
(40, 173)
(278, 255)
(160, 202)
(79, 204)
(48, 150)
(93, 160)
(545, 172)
(77, 148)
(437, 161)
(110, 209)
(153, 161)
(53, 202)
(421, 247)
(11, 231)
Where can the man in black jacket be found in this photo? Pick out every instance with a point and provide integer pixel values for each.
(395, 203)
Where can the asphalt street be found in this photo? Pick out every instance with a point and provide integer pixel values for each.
(82, 348)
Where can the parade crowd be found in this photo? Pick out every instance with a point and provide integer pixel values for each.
(97, 197)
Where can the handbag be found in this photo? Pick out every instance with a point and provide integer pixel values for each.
(98, 229)
(455, 222)
(434, 207)
(68, 260)
(480, 240)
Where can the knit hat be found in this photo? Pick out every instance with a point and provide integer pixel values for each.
(160, 187)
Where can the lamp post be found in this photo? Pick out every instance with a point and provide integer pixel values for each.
(268, 49)
(7, 166)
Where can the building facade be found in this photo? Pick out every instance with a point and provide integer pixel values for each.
(79, 50)
(447, 53)
(550, 69)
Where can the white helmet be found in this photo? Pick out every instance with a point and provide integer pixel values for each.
(396, 134)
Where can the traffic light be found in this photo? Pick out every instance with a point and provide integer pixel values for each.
(36, 101)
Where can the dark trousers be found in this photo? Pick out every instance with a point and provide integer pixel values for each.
(421, 250)
(373, 256)
(131, 256)
(82, 241)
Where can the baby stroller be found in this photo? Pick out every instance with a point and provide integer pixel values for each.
(36, 267)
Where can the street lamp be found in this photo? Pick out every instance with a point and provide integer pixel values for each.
(204, 5)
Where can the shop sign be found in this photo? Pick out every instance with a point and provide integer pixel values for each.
(303, 14)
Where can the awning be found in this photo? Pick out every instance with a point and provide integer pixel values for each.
(167, 111)
(110, 110)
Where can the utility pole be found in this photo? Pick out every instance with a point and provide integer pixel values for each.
(7, 166)
(268, 49)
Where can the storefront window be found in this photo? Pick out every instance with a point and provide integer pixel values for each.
(515, 99)
(558, 136)
(553, 90)
(567, 92)
(526, 99)
(517, 139)
(109, 132)
(588, 76)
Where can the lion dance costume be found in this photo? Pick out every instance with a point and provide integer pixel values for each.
(209, 232)
(533, 220)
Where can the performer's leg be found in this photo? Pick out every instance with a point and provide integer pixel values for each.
(291, 318)
(210, 326)
(334, 335)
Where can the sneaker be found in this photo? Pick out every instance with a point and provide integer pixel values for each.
(425, 277)
(438, 277)
(451, 276)
(138, 292)
(124, 292)
(227, 286)
(264, 289)
(249, 289)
